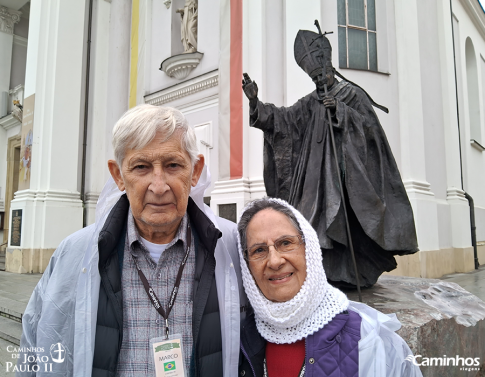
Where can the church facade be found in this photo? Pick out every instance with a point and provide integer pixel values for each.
(76, 67)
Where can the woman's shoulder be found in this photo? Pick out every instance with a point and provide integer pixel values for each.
(348, 322)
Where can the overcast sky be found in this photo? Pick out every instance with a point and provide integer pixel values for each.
(482, 2)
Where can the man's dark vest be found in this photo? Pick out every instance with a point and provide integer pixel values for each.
(206, 326)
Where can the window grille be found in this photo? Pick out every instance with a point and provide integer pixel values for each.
(357, 34)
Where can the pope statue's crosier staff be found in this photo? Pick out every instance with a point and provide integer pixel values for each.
(329, 115)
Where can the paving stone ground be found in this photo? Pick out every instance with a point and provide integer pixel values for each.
(473, 282)
(15, 291)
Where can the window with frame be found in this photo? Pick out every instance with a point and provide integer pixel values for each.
(357, 34)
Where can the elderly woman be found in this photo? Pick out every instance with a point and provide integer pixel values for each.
(299, 324)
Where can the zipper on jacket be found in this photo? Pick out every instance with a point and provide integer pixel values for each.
(305, 355)
(248, 359)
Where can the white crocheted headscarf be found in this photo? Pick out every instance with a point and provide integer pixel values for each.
(315, 305)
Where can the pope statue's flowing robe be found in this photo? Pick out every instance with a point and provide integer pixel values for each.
(299, 167)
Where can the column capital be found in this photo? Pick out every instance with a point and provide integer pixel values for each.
(8, 18)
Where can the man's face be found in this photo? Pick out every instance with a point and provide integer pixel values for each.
(157, 180)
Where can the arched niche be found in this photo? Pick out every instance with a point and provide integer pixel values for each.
(473, 95)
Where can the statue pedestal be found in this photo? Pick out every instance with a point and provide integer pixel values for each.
(179, 66)
(441, 322)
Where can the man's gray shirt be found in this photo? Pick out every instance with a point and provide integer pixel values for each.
(141, 321)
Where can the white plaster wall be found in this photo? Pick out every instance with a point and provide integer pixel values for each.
(6, 47)
(432, 100)
(473, 160)
(160, 46)
(19, 54)
(208, 36)
(3, 165)
(145, 51)
(208, 115)
(298, 15)
(118, 68)
(161, 43)
(255, 37)
(33, 50)
(273, 80)
(445, 225)
(480, 224)
(19, 60)
(96, 163)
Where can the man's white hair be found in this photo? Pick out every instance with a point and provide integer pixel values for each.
(139, 125)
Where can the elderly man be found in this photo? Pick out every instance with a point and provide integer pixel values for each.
(139, 293)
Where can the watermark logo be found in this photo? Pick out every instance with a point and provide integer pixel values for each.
(465, 364)
(58, 353)
(411, 359)
(35, 359)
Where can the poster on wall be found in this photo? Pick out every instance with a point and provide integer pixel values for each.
(26, 143)
(16, 233)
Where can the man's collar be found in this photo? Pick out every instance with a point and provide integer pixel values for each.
(133, 235)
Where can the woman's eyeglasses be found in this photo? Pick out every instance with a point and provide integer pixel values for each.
(282, 245)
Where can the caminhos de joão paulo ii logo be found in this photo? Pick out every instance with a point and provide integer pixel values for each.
(35, 359)
(58, 353)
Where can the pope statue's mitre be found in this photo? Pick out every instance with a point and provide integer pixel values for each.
(312, 52)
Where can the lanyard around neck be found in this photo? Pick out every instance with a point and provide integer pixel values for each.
(151, 293)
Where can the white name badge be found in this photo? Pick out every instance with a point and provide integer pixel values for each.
(168, 356)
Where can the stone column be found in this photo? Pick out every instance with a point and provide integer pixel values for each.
(458, 205)
(413, 167)
(109, 90)
(51, 207)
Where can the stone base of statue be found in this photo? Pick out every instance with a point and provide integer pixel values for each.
(443, 324)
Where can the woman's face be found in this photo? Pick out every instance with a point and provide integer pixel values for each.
(279, 276)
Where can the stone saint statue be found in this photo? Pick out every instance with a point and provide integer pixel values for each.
(299, 167)
(189, 25)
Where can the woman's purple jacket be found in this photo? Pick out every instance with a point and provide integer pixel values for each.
(331, 351)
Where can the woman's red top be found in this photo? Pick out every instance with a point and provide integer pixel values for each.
(285, 360)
